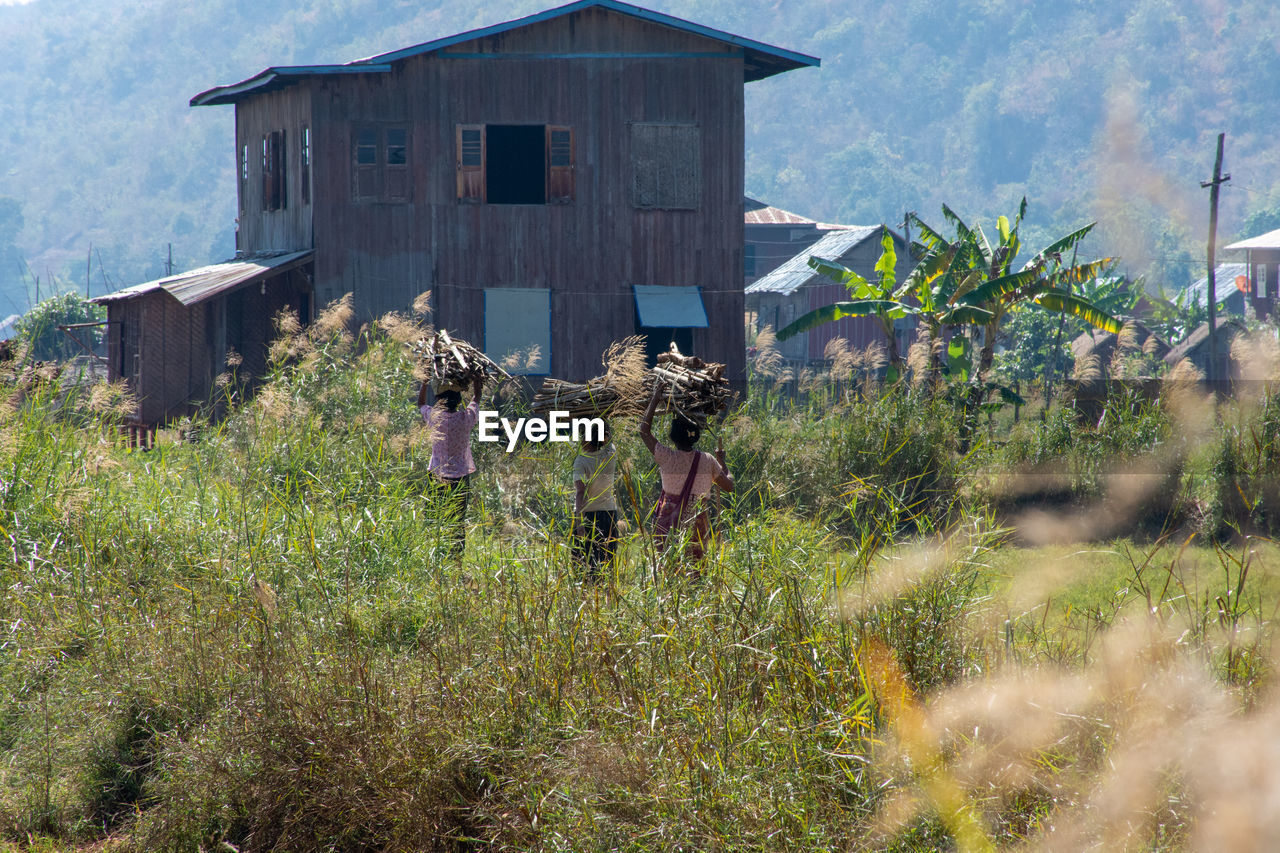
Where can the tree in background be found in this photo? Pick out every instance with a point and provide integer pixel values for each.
(983, 278)
(11, 265)
(39, 327)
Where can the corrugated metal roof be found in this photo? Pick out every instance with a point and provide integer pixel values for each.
(200, 284)
(760, 60)
(796, 273)
(1224, 281)
(759, 213)
(1270, 240)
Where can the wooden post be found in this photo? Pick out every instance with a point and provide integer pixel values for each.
(1212, 296)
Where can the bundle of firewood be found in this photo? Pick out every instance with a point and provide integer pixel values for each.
(691, 387)
(455, 361)
(618, 392)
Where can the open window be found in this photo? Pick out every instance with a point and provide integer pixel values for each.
(517, 324)
(515, 164)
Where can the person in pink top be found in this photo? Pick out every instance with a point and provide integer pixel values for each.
(687, 477)
(451, 464)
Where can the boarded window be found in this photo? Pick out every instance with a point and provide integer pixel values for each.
(274, 193)
(666, 166)
(517, 324)
(470, 155)
(306, 165)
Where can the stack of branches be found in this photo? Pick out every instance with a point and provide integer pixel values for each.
(690, 386)
(455, 361)
(617, 393)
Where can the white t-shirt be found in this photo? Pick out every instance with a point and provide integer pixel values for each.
(597, 471)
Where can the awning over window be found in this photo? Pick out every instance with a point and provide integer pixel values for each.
(680, 307)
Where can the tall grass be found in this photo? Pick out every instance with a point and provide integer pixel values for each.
(256, 638)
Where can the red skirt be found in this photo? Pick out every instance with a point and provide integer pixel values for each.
(667, 521)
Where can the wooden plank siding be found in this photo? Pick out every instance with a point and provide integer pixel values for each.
(588, 251)
(288, 228)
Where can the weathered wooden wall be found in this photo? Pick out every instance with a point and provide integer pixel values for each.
(588, 252)
(288, 228)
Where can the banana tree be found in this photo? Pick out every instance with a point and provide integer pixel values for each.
(885, 299)
(980, 275)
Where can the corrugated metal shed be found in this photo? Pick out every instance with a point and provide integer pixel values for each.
(760, 60)
(1225, 280)
(200, 284)
(759, 213)
(1270, 240)
(796, 273)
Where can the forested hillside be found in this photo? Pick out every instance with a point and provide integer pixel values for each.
(1091, 109)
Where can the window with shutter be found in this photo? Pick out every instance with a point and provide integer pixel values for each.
(366, 167)
(396, 173)
(244, 177)
(470, 154)
(274, 195)
(559, 164)
(305, 174)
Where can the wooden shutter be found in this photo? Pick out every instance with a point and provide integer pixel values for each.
(267, 176)
(304, 175)
(560, 163)
(396, 182)
(282, 172)
(273, 161)
(366, 164)
(471, 159)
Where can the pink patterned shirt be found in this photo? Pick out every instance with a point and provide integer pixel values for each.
(674, 466)
(451, 448)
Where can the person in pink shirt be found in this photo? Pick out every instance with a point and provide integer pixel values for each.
(451, 464)
(687, 477)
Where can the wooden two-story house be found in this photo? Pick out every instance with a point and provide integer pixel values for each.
(558, 181)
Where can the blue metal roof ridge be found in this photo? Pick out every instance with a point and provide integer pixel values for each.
(380, 62)
(227, 93)
(613, 5)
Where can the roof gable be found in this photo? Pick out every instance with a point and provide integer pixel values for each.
(760, 60)
(796, 272)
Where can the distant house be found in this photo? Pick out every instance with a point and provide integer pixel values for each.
(1262, 268)
(793, 288)
(1195, 346)
(1102, 345)
(559, 181)
(1226, 288)
(773, 236)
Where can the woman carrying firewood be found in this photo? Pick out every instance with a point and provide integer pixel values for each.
(451, 464)
(687, 477)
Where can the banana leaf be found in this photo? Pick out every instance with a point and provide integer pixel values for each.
(839, 310)
(1076, 306)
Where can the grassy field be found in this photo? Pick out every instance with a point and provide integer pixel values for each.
(252, 639)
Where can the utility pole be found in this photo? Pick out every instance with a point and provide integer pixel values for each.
(88, 268)
(1213, 186)
(168, 265)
